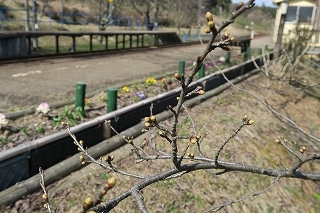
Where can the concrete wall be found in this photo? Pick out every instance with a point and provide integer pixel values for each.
(12, 45)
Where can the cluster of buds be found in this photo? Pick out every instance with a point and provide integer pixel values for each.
(128, 139)
(198, 90)
(225, 41)
(247, 121)
(150, 121)
(109, 158)
(281, 139)
(194, 138)
(302, 149)
(211, 25)
(80, 142)
(190, 155)
(82, 159)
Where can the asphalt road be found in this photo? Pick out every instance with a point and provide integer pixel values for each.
(28, 84)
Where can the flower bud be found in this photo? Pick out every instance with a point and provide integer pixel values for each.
(211, 24)
(193, 139)
(201, 92)
(209, 16)
(251, 122)
(153, 118)
(111, 181)
(207, 30)
(45, 197)
(177, 76)
(87, 203)
(225, 35)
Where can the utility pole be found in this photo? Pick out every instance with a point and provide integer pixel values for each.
(27, 27)
(284, 9)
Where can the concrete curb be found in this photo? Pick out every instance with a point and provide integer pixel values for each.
(72, 164)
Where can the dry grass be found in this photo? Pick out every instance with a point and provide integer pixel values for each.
(199, 191)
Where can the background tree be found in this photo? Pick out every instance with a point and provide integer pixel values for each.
(184, 13)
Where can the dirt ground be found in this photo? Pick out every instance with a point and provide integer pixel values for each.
(200, 191)
(23, 85)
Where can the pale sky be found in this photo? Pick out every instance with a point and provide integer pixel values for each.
(267, 3)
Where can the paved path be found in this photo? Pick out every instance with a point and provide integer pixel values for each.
(28, 84)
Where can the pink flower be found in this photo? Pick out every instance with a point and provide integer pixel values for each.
(43, 108)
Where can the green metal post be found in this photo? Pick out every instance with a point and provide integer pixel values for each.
(228, 57)
(202, 71)
(249, 52)
(182, 65)
(80, 94)
(245, 56)
(112, 99)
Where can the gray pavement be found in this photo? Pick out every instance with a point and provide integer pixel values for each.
(28, 84)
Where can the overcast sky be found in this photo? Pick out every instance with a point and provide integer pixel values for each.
(267, 3)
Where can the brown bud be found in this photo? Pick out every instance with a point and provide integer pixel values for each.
(201, 92)
(177, 76)
(45, 197)
(207, 30)
(147, 124)
(112, 181)
(239, 5)
(209, 16)
(161, 133)
(147, 119)
(225, 35)
(87, 203)
(193, 139)
(211, 24)
(153, 118)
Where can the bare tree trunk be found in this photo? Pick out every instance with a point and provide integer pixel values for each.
(26, 6)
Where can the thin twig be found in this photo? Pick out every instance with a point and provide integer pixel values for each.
(217, 208)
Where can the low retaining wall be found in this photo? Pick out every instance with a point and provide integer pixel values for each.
(19, 163)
